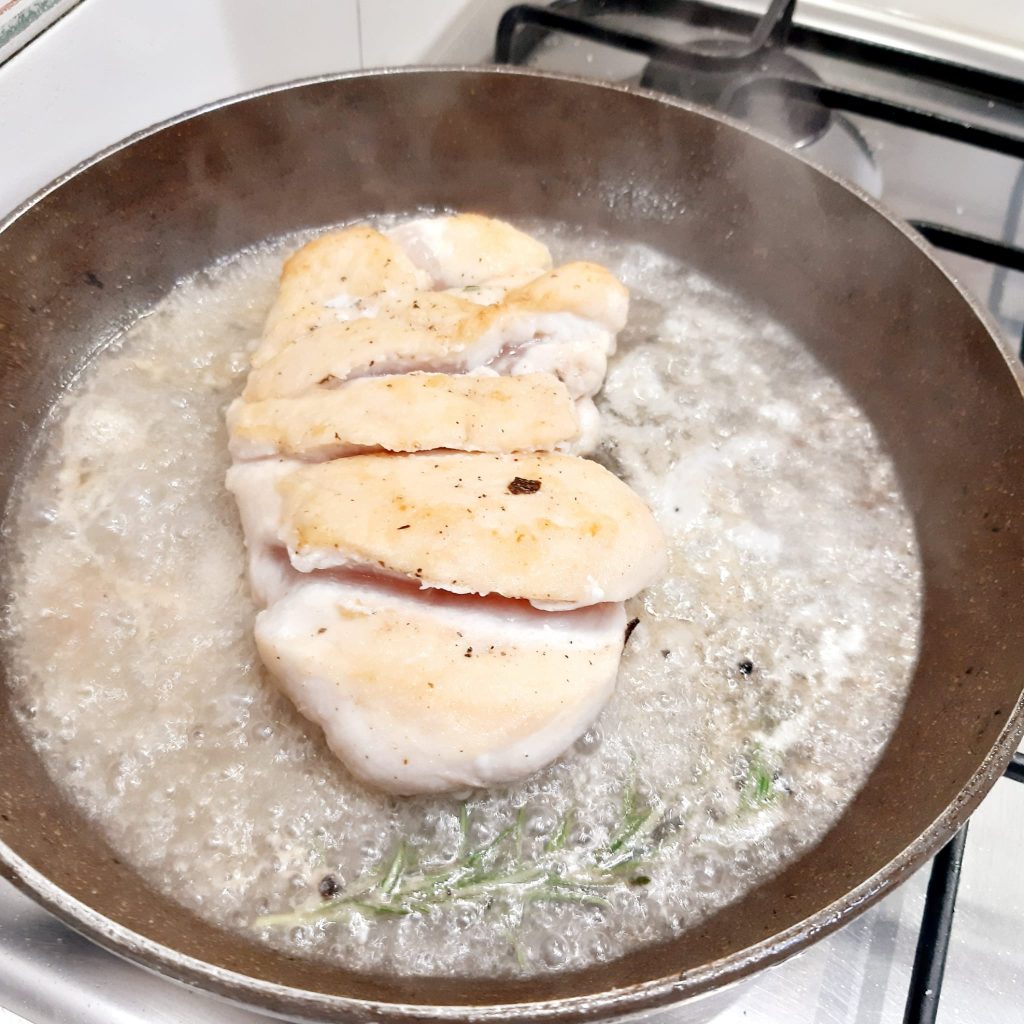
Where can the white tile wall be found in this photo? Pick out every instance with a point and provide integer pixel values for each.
(404, 31)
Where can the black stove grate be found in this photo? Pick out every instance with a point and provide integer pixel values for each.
(523, 27)
(937, 922)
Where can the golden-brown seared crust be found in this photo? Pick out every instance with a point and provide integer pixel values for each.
(409, 413)
(358, 262)
(552, 529)
(336, 352)
(470, 250)
(433, 330)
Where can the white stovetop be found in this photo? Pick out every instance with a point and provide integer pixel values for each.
(986, 33)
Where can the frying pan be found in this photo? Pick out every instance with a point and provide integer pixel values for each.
(83, 258)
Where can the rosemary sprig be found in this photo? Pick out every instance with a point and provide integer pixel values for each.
(494, 870)
(758, 789)
(559, 836)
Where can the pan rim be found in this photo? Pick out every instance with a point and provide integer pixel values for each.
(690, 984)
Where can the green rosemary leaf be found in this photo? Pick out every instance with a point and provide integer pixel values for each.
(518, 834)
(393, 873)
(483, 853)
(517, 948)
(558, 838)
(420, 906)
(385, 909)
(758, 789)
(404, 883)
(634, 831)
(429, 881)
(491, 885)
(629, 802)
(599, 880)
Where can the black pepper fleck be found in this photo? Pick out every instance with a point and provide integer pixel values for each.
(522, 486)
(329, 887)
(746, 666)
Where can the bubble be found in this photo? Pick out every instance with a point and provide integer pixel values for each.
(464, 918)
(597, 947)
(582, 836)
(554, 951)
(540, 821)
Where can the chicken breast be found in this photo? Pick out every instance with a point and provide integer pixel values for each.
(470, 250)
(254, 485)
(337, 275)
(558, 531)
(409, 413)
(441, 587)
(421, 694)
(564, 323)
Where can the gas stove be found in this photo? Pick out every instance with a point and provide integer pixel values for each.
(933, 126)
(940, 143)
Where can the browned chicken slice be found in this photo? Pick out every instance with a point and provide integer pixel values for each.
(337, 275)
(564, 323)
(558, 531)
(422, 693)
(409, 413)
(586, 290)
(470, 250)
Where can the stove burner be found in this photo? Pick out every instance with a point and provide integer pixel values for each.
(727, 88)
(756, 80)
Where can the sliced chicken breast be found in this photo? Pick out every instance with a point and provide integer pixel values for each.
(337, 352)
(427, 694)
(442, 593)
(470, 250)
(558, 531)
(409, 413)
(587, 290)
(254, 485)
(563, 323)
(343, 271)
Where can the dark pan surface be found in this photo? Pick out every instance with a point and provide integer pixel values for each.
(84, 258)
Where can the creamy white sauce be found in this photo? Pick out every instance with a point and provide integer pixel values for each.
(791, 549)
